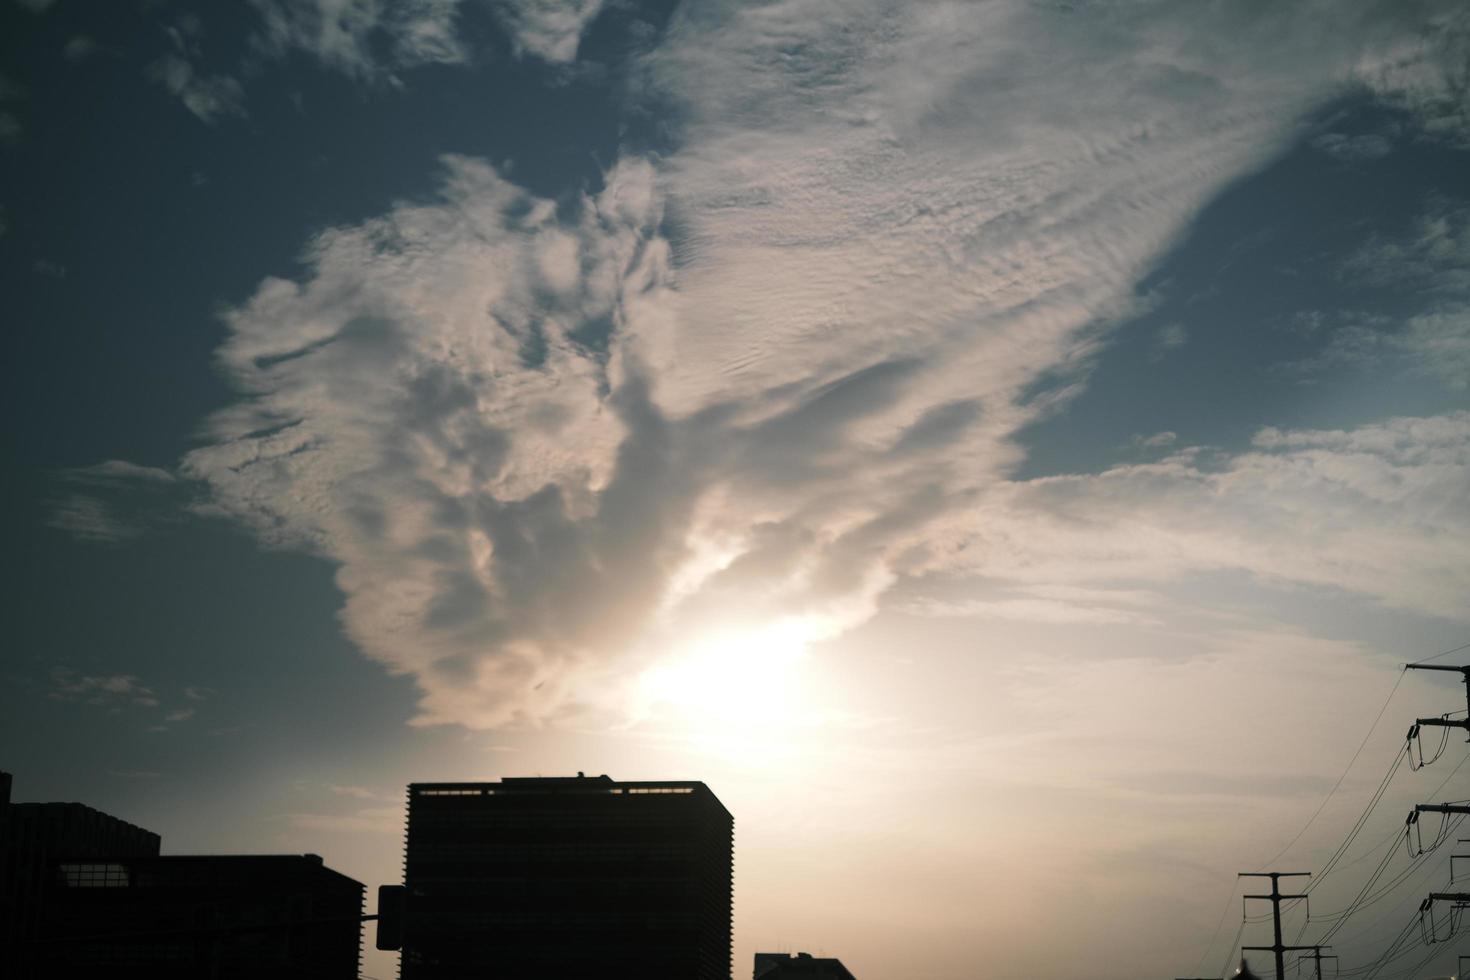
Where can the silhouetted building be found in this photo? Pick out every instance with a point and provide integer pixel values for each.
(33, 838)
(225, 917)
(802, 966)
(568, 878)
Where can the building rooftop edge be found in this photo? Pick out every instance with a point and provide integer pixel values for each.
(531, 784)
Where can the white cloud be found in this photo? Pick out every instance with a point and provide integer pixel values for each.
(1430, 263)
(1159, 440)
(344, 33)
(1353, 149)
(182, 714)
(753, 384)
(91, 519)
(207, 96)
(1434, 344)
(1377, 510)
(121, 501)
(120, 470)
(369, 820)
(1434, 255)
(548, 29)
(112, 689)
(1033, 608)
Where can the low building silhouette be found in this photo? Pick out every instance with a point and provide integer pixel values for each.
(575, 878)
(84, 894)
(227, 917)
(33, 838)
(801, 966)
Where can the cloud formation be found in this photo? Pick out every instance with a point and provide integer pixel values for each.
(208, 96)
(114, 689)
(1377, 510)
(345, 34)
(110, 502)
(749, 385)
(371, 38)
(548, 29)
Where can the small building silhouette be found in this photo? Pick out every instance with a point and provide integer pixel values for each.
(84, 894)
(801, 966)
(577, 878)
(33, 838)
(228, 917)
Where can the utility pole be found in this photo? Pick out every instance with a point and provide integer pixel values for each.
(1445, 722)
(1318, 958)
(1276, 898)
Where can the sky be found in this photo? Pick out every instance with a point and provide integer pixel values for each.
(1006, 449)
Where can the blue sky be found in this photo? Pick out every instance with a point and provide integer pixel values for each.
(954, 414)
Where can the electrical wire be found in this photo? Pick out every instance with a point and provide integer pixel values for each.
(1366, 896)
(1229, 904)
(1358, 825)
(1348, 768)
(1438, 655)
(1234, 945)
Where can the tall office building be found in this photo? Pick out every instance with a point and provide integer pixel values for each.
(574, 878)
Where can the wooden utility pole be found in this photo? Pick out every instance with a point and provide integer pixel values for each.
(1276, 898)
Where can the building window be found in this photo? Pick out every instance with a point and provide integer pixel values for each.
(453, 792)
(95, 876)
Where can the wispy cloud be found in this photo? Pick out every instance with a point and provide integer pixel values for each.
(547, 29)
(1429, 264)
(80, 48)
(1433, 255)
(369, 820)
(91, 519)
(207, 95)
(1031, 609)
(1366, 510)
(347, 35)
(764, 377)
(109, 689)
(113, 502)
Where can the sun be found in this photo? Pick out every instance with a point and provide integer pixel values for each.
(736, 678)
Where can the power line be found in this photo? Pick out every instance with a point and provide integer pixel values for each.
(1323, 805)
(1438, 655)
(1229, 904)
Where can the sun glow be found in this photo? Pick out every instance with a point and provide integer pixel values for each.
(739, 678)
